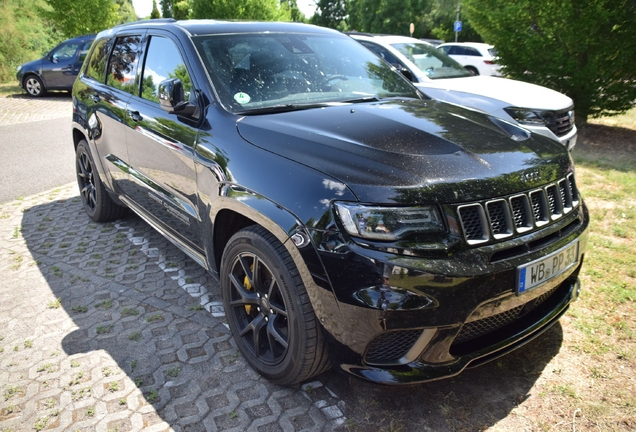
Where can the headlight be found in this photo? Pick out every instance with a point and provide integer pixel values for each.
(388, 223)
(18, 69)
(529, 117)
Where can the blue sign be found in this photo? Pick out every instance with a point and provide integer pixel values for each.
(458, 26)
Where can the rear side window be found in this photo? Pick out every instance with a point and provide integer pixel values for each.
(96, 67)
(163, 61)
(122, 68)
(84, 50)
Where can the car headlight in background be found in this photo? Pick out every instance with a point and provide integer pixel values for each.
(529, 117)
(388, 223)
(18, 69)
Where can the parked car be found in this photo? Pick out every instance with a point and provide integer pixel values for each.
(535, 108)
(57, 70)
(352, 221)
(478, 58)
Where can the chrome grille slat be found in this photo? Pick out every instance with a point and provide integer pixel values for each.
(560, 123)
(500, 218)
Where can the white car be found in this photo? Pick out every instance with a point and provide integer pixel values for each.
(533, 107)
(478, 58)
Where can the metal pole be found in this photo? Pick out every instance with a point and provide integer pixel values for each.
(456, 20)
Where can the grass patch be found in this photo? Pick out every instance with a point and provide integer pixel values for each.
(129, 311)
(154, 318)
(103, 329)
(54, 304)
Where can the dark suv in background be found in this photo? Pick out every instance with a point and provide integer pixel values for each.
(57, 70)
(352, 222)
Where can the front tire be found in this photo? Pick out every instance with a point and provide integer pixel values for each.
(98, 204)
(34, 87)
(473, 70)
(268, 309)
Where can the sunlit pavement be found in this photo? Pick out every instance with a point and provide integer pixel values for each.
(110, 327)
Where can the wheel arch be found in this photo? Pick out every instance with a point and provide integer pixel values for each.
(230, 215)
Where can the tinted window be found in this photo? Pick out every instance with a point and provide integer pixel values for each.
(123, 64)
(96, 67)
(434, 63)
(382, 52)
(163, 61)
(287, 71)
(472, 52)
(65, 51)
(84, 50)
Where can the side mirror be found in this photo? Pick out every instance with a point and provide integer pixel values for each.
(407, 73)
(172, 98)
(404, 71)
(54, 58)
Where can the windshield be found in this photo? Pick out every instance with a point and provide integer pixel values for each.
(254, 72)
(434, 63)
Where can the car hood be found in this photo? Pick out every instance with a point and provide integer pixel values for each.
(31, 66)
(501, 92)
(399, 151)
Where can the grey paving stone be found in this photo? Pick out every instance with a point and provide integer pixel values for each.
(98, 333)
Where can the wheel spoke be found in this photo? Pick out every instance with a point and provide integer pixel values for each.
(273, 332)
(247, 297)
(255, 328)
(256, 273)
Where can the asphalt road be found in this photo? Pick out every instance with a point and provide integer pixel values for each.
(34, 157)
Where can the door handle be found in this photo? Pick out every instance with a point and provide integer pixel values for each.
(134, 115)
(95, 98)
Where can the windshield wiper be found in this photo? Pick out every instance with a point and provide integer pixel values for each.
(282, 108)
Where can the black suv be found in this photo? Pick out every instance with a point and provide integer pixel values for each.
(351, 221)
(57, 70)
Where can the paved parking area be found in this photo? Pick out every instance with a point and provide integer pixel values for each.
(110, 327)
(22, 108)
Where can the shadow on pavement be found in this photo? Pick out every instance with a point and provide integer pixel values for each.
(145, 346)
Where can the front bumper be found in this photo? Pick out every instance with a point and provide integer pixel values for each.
(404, 319)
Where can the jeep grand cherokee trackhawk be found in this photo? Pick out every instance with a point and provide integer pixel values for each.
(352, 222)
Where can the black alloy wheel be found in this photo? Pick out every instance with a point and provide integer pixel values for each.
(97, 203)
(268, 308)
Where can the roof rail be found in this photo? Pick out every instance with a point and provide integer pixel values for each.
(156, 20)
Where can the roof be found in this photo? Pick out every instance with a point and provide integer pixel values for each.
(203, 27)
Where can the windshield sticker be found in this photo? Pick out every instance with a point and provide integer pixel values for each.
(242, 98)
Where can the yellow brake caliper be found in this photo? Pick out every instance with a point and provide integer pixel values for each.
(248, 286)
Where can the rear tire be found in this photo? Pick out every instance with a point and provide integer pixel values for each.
(268, 309)
(472, 70)
(97, 203)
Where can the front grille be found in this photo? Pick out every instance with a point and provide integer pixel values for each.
(480, 327)
(561, 122)
(475, 329)
(392, 346)
(501, 218)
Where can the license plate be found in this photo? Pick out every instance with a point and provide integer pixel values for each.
(542, 270)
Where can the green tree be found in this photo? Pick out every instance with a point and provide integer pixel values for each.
(166, 8)
(154, 14)
(584, 49)
(263, 10)
(73, 18)
(332, 14)
(439, 22)
(126, 11)
(24, 35)
(431, 18)
(296, 14)
(181, 10)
